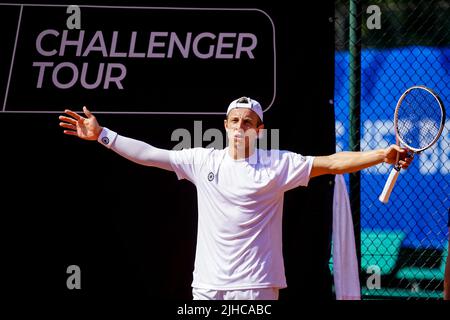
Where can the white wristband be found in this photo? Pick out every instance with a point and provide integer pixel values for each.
(107, 137)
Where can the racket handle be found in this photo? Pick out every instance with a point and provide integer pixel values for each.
(384, 196)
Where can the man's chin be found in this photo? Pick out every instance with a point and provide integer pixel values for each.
(237, 145)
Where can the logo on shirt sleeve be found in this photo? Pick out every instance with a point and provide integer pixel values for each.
(210, 176)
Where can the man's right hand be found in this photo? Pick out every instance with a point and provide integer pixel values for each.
(84, 128)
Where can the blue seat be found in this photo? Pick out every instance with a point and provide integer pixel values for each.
(380, 248)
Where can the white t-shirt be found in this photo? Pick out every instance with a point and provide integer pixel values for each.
(240, 206)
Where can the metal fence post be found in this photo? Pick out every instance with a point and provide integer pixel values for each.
(355, 113)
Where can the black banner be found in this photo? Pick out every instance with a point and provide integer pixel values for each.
(168, 60)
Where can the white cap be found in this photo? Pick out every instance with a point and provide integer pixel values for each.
(245, 102)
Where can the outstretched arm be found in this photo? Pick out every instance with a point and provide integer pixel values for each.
(87, 128)
(347, 162)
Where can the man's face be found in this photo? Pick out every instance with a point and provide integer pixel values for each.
(242, 127)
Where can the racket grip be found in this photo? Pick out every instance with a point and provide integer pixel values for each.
(384, 196)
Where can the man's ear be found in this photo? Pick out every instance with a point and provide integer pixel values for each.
(260, 130)
(225, 123)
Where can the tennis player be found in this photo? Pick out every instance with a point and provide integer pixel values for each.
(240, 193)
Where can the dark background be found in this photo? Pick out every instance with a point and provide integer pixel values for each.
(132, 229)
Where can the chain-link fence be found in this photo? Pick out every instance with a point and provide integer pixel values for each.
(381, 49)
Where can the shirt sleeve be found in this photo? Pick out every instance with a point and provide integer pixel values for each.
(294, 171)
(187, 162)
(135, 150)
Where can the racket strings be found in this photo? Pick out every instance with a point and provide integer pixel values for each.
(419, 119)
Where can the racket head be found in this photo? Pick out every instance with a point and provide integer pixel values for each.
(419, 118)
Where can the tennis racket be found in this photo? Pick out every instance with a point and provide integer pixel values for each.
(418, 122)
